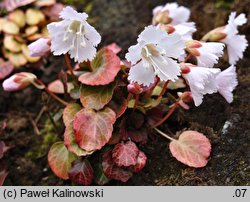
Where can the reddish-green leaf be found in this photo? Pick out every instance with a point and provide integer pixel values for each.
(70, 112)
(81, 172)
(60, 160)
(112, 171)
(5, 69)
(105, 67)
(69, 134)
(125, 154)
(57, 87)
(99, 177)
(140, 162)
(192, 148)
(93, 129)
(96, 97)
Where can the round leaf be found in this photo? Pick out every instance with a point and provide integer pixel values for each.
(17, 17)
(125, 154)
(17, 59)
(192, 149)
(96, 97)
(105, 67)
(60, 160)
(34, 17)
(69, 134)
(93, 129)
(81, 172)
(140, 162)
(57, 87)
(11, 44)
(10, 28)
(112, 171)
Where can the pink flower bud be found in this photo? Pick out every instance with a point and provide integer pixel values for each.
(40, 47)
(134, 88)
(167, 28)
(185, 67)
(215, 35)
(193, 51)
(193, 44)
(18, 81)
(186, 96)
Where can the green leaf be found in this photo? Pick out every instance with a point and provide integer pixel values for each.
(105, 67)
(96, 97)
(93, 129)
(60, 160)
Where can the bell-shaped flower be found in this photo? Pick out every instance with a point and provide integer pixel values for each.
(74, 35)
(236, 44)
(226, 83)
(201, 81)
(40, 47)
(207, 54)
(19, 81)
(152, 56)
(170, 13)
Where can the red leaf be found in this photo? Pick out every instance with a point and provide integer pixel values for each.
(81, 172)
(125, 154)
(140, 136)
(111, 170)
(192, 149)
(60, 160)
(5, 69)
(93, 129)
(3, 175)
(140, 162)
(105, 67)
(11, 5)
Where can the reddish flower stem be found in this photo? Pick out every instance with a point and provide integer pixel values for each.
(70, 68)
(51, 93)
(163, 90)
(171, 111)
(187, 58)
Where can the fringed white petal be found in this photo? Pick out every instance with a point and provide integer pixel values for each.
(226, 83)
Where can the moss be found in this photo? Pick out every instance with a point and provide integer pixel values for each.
(223, 4)
(44, 141)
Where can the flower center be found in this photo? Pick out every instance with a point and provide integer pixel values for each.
(154, 55)
(75, 32)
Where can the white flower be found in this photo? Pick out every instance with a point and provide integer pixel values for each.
(152, 56)
(236, 44)
(177, 14)
(226, 83)
(74, 35)
(185, 30)
(201, 81)
(209, 53)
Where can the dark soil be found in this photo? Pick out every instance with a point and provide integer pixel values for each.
(227, 126)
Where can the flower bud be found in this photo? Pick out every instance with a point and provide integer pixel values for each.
(18, 81)
(186, 96)
(215, 35)
(167, 28)
(134, 88)
(161, 17)
(185, 67)
(193, 44)
(40, 47)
